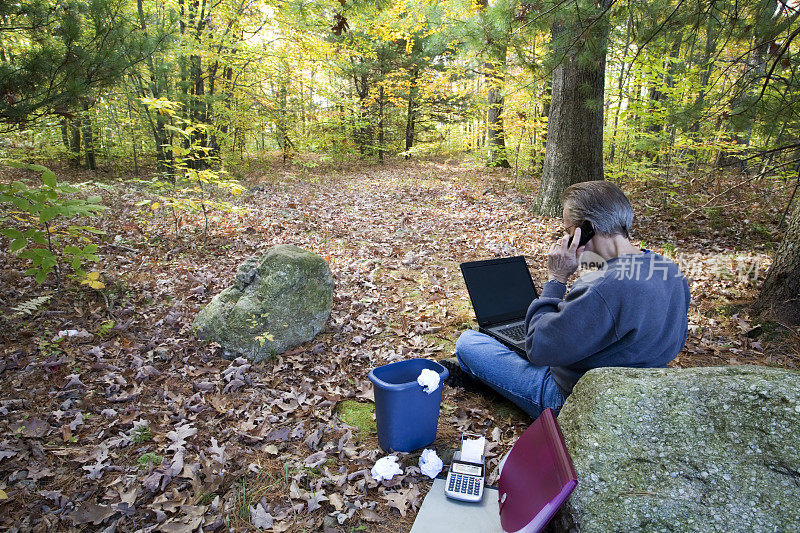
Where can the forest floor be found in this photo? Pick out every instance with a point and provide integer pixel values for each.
(134, 424)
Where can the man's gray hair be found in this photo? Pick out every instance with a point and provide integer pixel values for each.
(602, 203)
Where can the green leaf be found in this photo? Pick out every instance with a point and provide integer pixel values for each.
(49, 213)
(12, 233)
(41, 274)
(90, 248)
(18, 244)
(72, 250)
(21, 203)
(67, 189)
(49, 178)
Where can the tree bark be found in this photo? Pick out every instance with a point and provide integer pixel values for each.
(165, 158)
(780, 295)
(411, 114)
(71, 135)
(88, 138)
(381, 148)
(574, 149)
(496, 137)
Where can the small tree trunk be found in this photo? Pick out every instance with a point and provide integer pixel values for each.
(496, 136)
(381, 150)
(75, 142)
(134, 140)
(411, 114)
(88, 138)
(780, 295)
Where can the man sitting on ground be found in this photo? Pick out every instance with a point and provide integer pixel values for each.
(632, 312)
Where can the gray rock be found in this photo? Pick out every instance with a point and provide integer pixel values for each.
(698, 449)
(279, 300)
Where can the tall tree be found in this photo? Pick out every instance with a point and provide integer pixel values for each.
(574, 150)
(54, 59)
(493, 22)
(780, 294)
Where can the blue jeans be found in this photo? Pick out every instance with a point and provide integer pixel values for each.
(530, 387)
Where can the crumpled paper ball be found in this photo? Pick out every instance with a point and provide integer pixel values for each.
(430, 464)
(385, 468)
(429, 380)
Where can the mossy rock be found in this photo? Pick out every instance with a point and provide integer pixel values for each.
(698, 449)
(279, 300)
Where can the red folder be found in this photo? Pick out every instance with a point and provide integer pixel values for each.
(537, 477)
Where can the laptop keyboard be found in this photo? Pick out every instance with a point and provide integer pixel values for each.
(515, 332)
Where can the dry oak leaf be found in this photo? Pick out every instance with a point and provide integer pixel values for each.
(190, 521)
(401, 499)
(371, 516)
(260, 518)
(91, 513)
(315, 499)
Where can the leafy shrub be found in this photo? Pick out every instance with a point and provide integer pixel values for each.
(34, 221)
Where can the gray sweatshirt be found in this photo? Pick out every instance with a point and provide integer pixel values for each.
(632, 313)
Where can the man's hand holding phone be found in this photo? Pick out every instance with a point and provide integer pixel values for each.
(562, 259)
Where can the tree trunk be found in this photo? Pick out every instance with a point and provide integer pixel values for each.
(707, 65)
(496, 137)
(165, 158)
(411, 114)
(381, 149)
(780, 295)
(199, 138)
(71, 136)
(620, 87)
(283, 126)
(88, 138)
(75, 142)
(743, 109)
(574, 149)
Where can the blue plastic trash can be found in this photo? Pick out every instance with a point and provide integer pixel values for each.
(406, 415)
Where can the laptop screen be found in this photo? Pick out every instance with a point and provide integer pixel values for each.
(500, 289)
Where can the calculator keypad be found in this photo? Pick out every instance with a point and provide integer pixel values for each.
(464, 484)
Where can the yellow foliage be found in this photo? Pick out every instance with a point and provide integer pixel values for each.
(93, 280)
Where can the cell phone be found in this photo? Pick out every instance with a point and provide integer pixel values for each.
(587, 232)
(465, 479)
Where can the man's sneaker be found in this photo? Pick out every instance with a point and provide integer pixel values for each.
(457, 377)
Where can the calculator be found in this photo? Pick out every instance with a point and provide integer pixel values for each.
(464, 479)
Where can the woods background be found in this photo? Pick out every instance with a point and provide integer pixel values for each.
(670, 94)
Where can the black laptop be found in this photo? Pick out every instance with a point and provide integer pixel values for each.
(501, 291)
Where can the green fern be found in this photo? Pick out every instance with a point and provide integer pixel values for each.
(31, 306)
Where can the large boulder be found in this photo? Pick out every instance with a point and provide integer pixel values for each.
(699, 449)
(279, 300)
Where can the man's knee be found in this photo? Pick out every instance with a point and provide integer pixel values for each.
(465, 340)
(466, 345)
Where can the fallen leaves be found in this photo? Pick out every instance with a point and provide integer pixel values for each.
(403, 499)
(142, 427)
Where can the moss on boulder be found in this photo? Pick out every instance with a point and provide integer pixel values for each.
(699, 449)
(279, 300)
